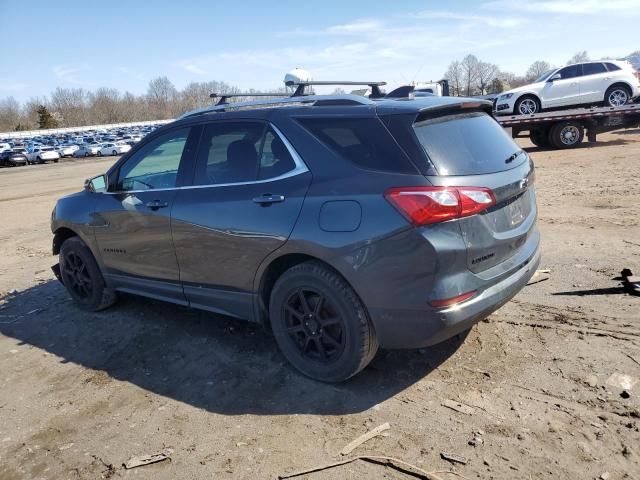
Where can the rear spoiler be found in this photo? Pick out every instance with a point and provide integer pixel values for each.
(467, 105)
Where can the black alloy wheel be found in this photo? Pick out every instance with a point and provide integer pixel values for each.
(76, 276)
(315, 326)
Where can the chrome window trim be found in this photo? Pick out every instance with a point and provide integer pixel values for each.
(299, 169)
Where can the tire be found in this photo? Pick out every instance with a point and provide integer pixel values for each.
(99, 153)
(540, 137)
(340, 326)
(55, 160)
(527, 105)
(39, 160)
(114, 153)
(617, 96)
(566, 135)
(82, 277)
(86, 154)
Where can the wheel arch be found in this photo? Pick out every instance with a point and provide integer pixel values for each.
(619, 83)
(528, 94)
(274, 270)
(60, 236)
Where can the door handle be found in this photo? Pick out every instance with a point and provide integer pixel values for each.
(268, 199)
(156, 204)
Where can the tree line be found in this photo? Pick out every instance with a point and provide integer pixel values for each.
(72, 107)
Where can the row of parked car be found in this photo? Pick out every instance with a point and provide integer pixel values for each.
(51, 148)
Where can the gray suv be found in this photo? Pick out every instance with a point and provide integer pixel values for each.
(344, 223)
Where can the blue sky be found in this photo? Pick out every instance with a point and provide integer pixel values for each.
(252, 44)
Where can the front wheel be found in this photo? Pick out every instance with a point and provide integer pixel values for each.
(527, 105)
(616, 96)
(114, 153)
(566, 135)
(82, 277)
(99, 153)
(320, 324)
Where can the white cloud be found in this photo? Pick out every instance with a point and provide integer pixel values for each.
(359, 26)
(130, 73)
(10, 86)
(588, 7)
(66, 74)
(489, 20)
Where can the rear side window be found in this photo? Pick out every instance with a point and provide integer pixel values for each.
(593, 68)
(467, 144)
(612, 67)
(241, 152)
(363, 141)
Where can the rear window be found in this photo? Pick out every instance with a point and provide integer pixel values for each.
(467, 144)
(363, 141)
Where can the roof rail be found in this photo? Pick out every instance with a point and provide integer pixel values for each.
(301, 86)
(223, 97)
(307, 100)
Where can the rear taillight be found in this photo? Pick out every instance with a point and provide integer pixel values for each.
(426, 205)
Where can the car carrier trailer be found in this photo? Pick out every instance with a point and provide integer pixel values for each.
(566, 128)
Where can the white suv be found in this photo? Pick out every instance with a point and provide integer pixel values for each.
(611, 82)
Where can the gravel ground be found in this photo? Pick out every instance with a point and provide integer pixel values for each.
(81, 393)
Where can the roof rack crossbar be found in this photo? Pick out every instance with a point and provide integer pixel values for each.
(223, 97)
(301, 86)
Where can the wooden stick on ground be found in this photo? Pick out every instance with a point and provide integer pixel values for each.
(363, 438)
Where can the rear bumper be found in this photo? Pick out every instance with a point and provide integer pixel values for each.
(414, 329)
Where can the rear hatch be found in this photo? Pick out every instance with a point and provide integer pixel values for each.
(471, 149)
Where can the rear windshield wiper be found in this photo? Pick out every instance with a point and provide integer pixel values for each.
(513, 156)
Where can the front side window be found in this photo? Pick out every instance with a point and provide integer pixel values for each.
(241, 152)
(593, 68)
(569, 72)
(155, 165)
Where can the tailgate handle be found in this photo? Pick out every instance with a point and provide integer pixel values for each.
(268, 199)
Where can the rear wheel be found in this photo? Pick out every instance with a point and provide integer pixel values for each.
(320, 324)
(617, 96)
(114, 153)
(527, 105)
(82, 277)
(99, 153)
(566, 135)
(86, 154)
(540, 137)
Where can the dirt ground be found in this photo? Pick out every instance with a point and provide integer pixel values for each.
(82, 393)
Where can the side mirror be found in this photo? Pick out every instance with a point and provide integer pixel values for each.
(96, 184)
(557, 76)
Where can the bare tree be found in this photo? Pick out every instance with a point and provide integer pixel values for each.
(454, 76)
(161, 95)
(486, 73)
(469, 66)
(536, 69)
(9, 114)
(71, 105)
(579, 57)
(106, 106)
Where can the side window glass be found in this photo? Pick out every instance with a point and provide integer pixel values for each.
(229, 153)
(275, 159)
(155, 165)
(593, 68)
(569, 72)
(612, 67)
